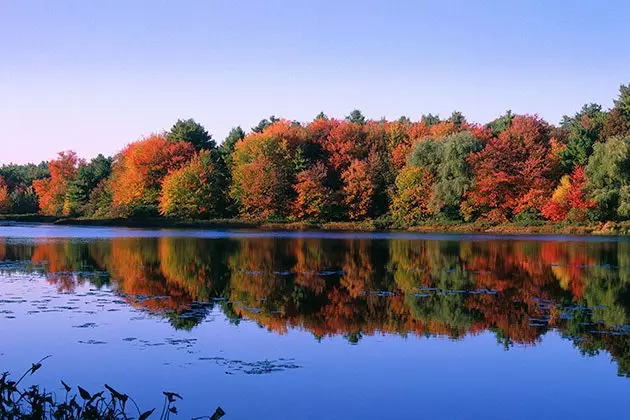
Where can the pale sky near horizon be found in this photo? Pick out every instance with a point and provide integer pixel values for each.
(92, 76)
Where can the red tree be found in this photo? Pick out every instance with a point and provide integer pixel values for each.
(515, 171)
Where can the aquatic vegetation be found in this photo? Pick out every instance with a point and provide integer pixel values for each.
(109, 404)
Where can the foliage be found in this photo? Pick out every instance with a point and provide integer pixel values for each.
(108, 404)
(264, 123)
(608, 173)
(410, 204)
(87, 178)
(192, 132)
(229, 144)
(515, 171)
(51, 192)
(263, 171)
(313, 198)
(569, 199)
(584, 130)
(618, 121)
(23, 175)
(196, 190)
(356, 117)
(358, 190)
(445, 162)
(5, 198)
(351, 169)
(138, 171)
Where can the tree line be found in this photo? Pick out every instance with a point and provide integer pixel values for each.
(514, 168)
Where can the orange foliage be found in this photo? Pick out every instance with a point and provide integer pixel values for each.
(5, 199)
(313, 197)
(51, 192)
(140, 168)
(358, 190)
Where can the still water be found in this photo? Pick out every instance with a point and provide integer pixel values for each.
(317, 325)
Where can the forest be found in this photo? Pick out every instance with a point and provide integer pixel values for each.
(404, 173)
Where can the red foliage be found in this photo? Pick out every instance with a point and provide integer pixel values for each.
(514, 172)
(569, 199)
(344, 144)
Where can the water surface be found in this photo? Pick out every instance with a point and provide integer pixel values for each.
(316, 325)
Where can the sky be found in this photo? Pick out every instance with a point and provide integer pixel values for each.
(93, 76)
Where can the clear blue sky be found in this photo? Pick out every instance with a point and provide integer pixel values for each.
(93, 76)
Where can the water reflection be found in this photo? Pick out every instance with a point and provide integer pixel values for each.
(519, 290)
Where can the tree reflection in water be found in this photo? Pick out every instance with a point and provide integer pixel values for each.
(519, 290)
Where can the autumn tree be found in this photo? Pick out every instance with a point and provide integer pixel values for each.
(608, 173)
(192, 132)
(410, 203)
(139, 169)
(515, 171)
(313, 199)
(51, 192)
(263, 170)
(196, 190)
(569, 200)
(358, 190)
(5, 198)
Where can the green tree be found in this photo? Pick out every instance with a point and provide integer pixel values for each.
(429, 119)
(608, 173)
(356, 117)
(264, 123)
(618, 122)
(446, 161)
(584, 128)
(501, 124)
(191, 131)
(88, 177)
(197, 190)
(227, 147)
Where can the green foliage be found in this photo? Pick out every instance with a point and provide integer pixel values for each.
(197, 190)
(23, 175)
(430, 119)
(108, 404)
(446, 160)
(191, 131)
(23, 201)
(228, 145)
(264, 123)
(608, 173)
(584, 130)
(502, 123)
(356, 117)
(88, 177)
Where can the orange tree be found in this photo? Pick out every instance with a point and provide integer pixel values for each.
(140, 168)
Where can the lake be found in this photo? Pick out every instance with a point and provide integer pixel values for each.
(301, 325)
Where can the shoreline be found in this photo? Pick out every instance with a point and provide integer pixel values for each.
(599, 228)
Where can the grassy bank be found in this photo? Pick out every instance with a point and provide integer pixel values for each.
(597, 228)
